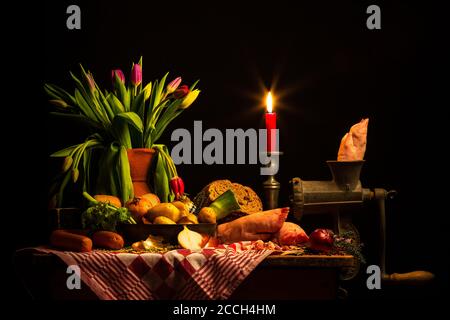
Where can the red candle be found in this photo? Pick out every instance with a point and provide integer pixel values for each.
(271, 123)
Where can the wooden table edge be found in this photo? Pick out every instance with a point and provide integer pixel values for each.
(332, 261)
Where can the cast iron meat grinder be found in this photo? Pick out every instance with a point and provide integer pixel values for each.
(343, 191)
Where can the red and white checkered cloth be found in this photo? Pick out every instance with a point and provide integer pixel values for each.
(210, 273)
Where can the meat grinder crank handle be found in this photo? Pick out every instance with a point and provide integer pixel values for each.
(410, 278)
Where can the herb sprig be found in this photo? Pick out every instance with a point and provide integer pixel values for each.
(103, 215)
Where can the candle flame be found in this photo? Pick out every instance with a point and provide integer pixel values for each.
(269, 102)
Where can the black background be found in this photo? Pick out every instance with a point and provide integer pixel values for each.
(326, 69)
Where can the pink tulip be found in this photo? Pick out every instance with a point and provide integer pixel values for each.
(91, 82)
(173, 85)
(119, 74)
(136, 75)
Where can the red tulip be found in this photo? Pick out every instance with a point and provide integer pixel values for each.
(119, 74)
(181, 92)
(136, 74)
(177, 186)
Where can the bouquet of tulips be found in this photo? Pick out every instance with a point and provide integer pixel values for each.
(131, 115)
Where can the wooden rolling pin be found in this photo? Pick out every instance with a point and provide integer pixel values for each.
(410, 278)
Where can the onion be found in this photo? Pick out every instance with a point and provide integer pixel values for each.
(321, 239)
(189, 239)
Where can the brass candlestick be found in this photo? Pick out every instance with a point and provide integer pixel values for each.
(271, 188)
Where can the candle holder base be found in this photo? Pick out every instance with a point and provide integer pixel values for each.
(271, 188)
(271, 192)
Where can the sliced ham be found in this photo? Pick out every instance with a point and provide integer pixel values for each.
(290, 234)
(258, 226)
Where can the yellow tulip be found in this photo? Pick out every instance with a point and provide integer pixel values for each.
(147, 91)
(189, 99)
(59, 103)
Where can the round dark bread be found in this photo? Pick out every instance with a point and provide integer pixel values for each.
(248, 200)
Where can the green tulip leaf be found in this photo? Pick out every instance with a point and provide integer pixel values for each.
(161, 180)
(138, 104)
(121, 131)
(123, 168)
(65, 152)
(84, 106)
(159, 90)
(133, 119)
(193, 85)
(59, 93)
(116, 106)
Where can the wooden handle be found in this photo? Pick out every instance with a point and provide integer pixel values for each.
(414, 277)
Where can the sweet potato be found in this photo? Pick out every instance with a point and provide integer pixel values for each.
(353, 144)
(107, 240)
(290, 234)
(66, 240)
(257, 226)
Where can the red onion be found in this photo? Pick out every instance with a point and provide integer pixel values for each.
(321, 239)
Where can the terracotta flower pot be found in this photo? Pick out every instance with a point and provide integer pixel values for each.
(140, 160)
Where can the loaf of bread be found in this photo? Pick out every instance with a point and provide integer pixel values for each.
(246, 197)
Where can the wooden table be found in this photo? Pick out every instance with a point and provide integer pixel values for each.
(294, 277)
(276, 278)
